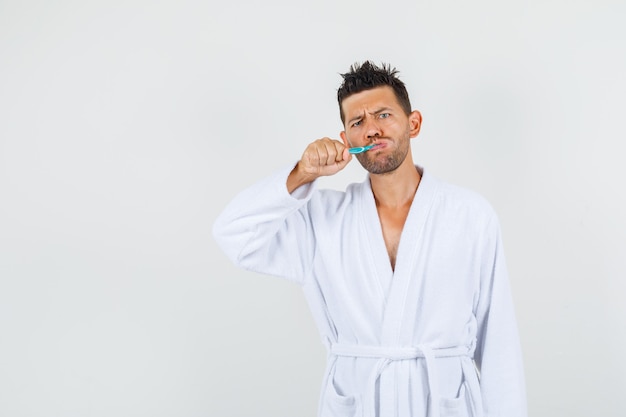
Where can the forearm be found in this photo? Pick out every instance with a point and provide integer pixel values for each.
(298, 178)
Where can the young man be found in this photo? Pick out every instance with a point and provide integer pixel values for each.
(404, 274)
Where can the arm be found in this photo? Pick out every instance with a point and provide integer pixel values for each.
(498, 350)
(267, 227)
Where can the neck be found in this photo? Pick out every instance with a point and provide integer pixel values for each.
(396, 189)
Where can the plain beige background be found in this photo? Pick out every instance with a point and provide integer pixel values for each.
(127, 125)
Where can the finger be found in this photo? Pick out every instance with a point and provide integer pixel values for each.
(326, 152)
(333, 150)
(340, 150)
(342, 164)
(347, 156)
(322, 155)
(311, 156)
(332, 154)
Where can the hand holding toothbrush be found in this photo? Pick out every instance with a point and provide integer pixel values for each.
(322, 157)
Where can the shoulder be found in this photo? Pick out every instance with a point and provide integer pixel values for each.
(463, 203)
(464, 197)
(334, 200)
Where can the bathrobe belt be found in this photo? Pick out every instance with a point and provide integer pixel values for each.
(386, 355)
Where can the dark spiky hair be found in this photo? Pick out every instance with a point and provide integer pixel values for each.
(368, 75)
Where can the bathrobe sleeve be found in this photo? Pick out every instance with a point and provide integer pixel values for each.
(267, 230)
(498, 352)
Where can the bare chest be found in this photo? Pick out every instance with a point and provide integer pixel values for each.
(392, 223)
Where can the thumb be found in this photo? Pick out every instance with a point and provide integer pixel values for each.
(347, 157)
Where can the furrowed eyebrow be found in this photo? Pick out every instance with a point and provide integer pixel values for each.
(374, 113)
(354, 119)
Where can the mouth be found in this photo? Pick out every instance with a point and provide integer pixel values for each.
(378, 145)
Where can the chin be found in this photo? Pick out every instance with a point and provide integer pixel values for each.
(381, 166)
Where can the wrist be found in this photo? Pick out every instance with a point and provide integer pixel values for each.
(297, 178)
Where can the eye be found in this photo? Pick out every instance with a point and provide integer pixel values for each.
(384, 115)
(356, 124)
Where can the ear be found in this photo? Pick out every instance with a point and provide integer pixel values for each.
(344, 138)
(415, 123)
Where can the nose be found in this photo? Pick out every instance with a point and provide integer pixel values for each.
(372, 129)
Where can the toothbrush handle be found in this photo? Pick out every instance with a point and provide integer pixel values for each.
(359, 149)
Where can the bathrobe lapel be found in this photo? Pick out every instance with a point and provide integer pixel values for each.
(399, 286)
(402, 287)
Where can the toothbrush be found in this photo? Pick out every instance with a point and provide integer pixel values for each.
(360, 149)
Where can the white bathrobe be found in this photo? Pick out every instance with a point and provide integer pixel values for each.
(436, 337)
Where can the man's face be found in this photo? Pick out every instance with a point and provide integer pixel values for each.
(375, 117)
